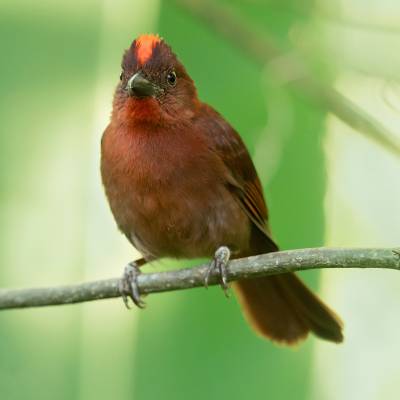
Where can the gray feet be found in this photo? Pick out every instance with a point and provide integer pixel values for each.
(128, 285)
(220, 262)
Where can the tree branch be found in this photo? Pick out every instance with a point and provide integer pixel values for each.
(251, 267)
(289, 68)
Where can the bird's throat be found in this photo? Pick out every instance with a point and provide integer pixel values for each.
(138, 110)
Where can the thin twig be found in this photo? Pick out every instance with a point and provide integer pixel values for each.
(263, 49)
(251, 267)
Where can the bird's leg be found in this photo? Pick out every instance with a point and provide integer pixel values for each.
(128, 285)
(220, 262)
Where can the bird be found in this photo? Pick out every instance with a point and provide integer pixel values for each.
(180, 183)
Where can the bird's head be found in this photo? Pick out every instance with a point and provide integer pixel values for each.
(154, 84)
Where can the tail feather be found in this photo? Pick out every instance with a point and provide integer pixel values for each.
(283, 309)
(322, 321)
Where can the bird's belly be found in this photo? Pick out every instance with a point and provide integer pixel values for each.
(168, 202)
(168, 223)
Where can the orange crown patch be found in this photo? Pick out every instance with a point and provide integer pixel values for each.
(145, 45)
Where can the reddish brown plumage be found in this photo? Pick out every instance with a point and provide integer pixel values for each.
(181, 183)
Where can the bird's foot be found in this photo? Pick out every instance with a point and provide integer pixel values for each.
(220, 262)
(128, 285)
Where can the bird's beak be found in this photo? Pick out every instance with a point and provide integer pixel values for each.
(138, 86)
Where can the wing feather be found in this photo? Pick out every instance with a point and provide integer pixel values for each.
(243, 181)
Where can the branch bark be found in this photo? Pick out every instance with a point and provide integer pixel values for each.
(251, 267)
(289, 68)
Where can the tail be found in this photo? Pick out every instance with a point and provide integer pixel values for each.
(283, 309)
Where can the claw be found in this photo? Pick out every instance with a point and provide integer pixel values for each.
(220, 262)
(128, 285)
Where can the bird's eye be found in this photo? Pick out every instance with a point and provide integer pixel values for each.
(121, 75)
(171, 78)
